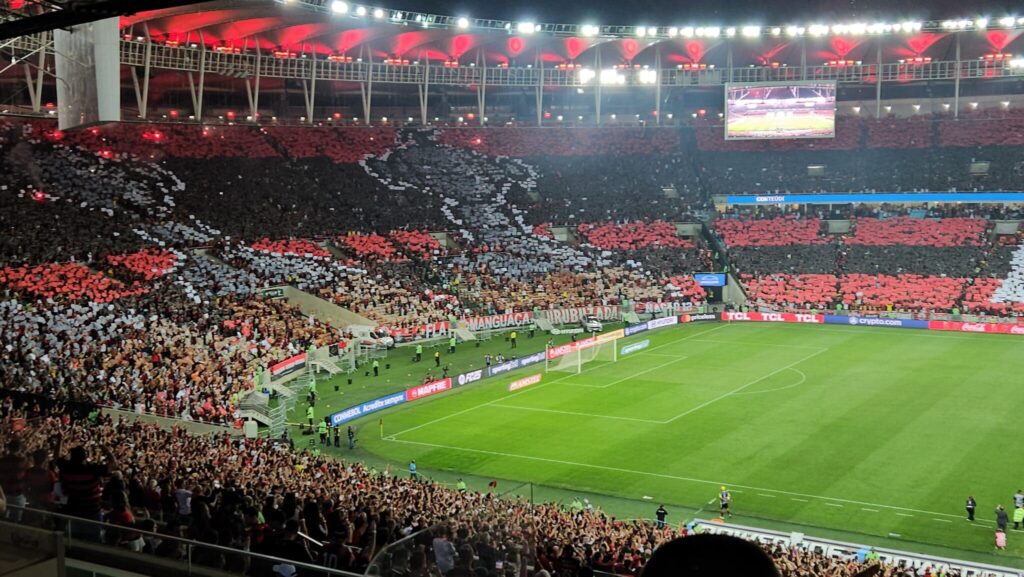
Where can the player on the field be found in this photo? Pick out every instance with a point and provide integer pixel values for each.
(724, 497)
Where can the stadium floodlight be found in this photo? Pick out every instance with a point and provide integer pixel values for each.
(794, 31)
(949, 24)
(858, 28)
(1020, 21)
(687, 32)
(730, 32)
(1017, 63)
(647, 76)
(585, 75)
(817, 29)
(981, 23)
(525, 27)
(673, 32)
(1007, 22)
(911, 26)
(776, 31)
(378, 13)
(590, 30)
(339, 7)
(640, 31)
(360, 10)
(708, 32)
(463, 22)
(652, 31)
(397, 15)
(751, 31)
(610, 77)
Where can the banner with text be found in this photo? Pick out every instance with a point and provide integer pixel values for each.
(524, 382)
(516, 364)
(992, 328)
(425, 331)
(573, 316)
(562, 350)
(427, 389)
(875, 322)
(774, 317)
(499, 321)
(366, 408)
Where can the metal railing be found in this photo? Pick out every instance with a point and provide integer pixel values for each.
(104, 544)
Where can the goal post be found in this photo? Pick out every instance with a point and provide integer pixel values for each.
(571, 357)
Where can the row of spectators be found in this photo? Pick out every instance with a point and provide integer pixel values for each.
(897, 263)
(258, 496)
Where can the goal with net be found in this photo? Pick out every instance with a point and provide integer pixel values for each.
(571, 357)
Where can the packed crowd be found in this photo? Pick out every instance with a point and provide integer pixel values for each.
(259, 496)
(900, 262)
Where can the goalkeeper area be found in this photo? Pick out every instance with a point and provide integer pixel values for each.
(878, 433)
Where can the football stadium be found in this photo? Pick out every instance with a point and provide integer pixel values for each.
(321, 288)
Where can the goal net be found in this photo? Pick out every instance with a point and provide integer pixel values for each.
(573, 361)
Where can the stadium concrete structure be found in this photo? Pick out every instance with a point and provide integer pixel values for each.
(331, 60)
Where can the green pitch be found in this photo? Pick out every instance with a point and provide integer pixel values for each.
(754, 125)
(881, 432)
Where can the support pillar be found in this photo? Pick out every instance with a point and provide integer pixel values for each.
(956, 80)
(657, 85)
(540, 92)
(424, 90)
(878, 83)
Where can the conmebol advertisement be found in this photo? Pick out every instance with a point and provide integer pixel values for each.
(366, 408)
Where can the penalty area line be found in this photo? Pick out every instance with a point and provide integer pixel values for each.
(796, 496)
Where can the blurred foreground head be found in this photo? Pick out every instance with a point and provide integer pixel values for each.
(710, 555)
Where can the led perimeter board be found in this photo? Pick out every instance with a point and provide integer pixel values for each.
(771, 110)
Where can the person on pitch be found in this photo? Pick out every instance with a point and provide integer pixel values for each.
(724, 497)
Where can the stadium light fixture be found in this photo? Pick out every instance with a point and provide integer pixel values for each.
(339, 7)
(776, 31)
(378, 13)
(673, 32)
(730, 32)
(590, 30)
(687, 32)
(647, 76)
(652, 30)
(817, 30)
(360, 10)
(610, 76)
(981, 23)
(794, 31)
(1005, 103)
(1017, 63)
(525, 27)
(463, 22)
(640, 31)
(1007, 22)
(585, 75)
(751, 31)
(613, 116)
(669, 116)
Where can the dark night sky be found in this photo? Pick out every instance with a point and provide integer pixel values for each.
(711, 12)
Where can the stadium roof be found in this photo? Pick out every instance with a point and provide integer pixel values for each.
(335, 27)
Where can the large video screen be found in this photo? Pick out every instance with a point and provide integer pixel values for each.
(780, 110)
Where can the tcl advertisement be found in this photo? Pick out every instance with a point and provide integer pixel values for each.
(774, 317)
(428, 389)
(993, 328)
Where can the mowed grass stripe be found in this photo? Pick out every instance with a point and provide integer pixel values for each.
(910, 425)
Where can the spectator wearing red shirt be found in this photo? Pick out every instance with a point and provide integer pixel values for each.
(82, 484)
